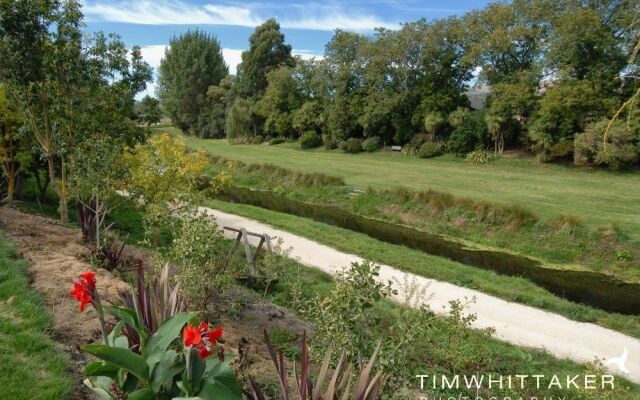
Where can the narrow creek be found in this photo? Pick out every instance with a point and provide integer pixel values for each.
(588, 287)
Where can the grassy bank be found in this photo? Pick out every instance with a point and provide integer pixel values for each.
(30, 366)
(598, 197)
(509, 288)
(446, 347)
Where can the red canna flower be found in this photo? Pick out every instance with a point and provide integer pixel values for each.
(203, 338)
(84, 288)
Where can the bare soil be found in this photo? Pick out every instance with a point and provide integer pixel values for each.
(57, 254)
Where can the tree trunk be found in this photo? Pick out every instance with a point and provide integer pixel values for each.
(62, 202)
(11, 188)
(64, 211)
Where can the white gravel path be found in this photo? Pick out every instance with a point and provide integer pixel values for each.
(514, 323)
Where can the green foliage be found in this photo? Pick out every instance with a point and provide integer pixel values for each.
(70, 86)
(352, 145)
(241, 121)
(432, 122)
(198, 249)
(258, 139)
(15, 154)
(479, 156)
(564, 110)
(281, 98)
(267, 52)
(371, 144)
(310, 140)
(162, 369)
(343, 317)
(150, 108)
(621, 149)
(161, 173)
(470, 131)
(191, 64)
(273, 266)
(309, 117)
(277, 140)
(430, 150)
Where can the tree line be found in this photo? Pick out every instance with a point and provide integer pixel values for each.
(554, 74)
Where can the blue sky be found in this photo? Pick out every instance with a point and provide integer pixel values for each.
(307, 25)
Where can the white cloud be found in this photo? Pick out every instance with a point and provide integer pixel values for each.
(232, 57)
(326, 17)
(153, 54)
(306, 54)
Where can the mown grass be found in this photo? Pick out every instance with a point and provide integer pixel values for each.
(598, 197)
(30, 366)
(508, 288)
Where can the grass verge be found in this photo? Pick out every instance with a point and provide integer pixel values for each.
(30, 366)
(508, 288)
(546, 189)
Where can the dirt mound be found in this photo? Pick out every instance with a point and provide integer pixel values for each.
(57, 255)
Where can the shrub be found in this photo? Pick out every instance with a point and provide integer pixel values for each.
(480, 156)
(419, 139)
(352, 146)
(198, 248)
(343, 316)
(620, 152)
(371, 144)
(330, 142)
(257, 139)
(470, 132)
(409, 150)
(276, 140)
(310, 140)
(429, 150)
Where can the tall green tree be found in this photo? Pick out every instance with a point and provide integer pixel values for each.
(150, 107)
(279, 102)
(14, 152)
(267, 52)
(192, 63)
(66, 84)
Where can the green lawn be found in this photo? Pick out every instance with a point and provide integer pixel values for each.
(598, 197)
(30, 366)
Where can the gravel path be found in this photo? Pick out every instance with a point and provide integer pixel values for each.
(514, 323)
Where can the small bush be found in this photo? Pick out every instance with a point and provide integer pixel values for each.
(276, 140)
(310, 140)
(419, 139)
(479, 156)
(352, 146)
(199, 251)
(429, 150)
(409, 150)
(371, 144)
(329, 141)
(621, 152)
(257, 139)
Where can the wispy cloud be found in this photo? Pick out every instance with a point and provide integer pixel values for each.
(314, 16)
(154, 53)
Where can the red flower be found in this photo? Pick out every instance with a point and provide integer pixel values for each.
(203, 338)
(84, 289)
